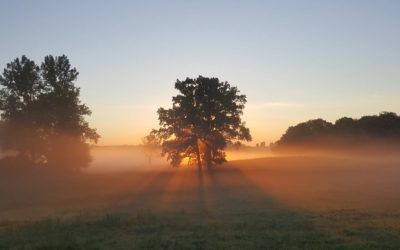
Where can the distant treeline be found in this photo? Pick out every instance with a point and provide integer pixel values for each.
(381, 130)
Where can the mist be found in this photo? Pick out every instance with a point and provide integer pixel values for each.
(313, 180)
(188, 96)
(135, 158)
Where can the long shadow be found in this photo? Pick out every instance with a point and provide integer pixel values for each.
(232, 212)
(145, 197)
(236, 190)
(258, 220)
(274, 225)
(201, 200)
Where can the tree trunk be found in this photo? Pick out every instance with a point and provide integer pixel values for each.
(198, 156)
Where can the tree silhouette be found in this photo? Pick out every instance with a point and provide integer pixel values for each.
(42, 115)
(64, 117)
(22, 87)
(306, 131)
(151, 144)
(345, 132)
(205, 117)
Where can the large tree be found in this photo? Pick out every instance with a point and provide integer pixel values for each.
(42, 115)
(205, 117)
(21, 89)
(68, 130)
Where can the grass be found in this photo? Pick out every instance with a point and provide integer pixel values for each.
(178, 230)
(179, 209)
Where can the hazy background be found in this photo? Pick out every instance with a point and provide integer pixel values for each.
(136, 158)
(295, 60)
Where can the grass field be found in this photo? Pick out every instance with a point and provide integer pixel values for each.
(268, 203)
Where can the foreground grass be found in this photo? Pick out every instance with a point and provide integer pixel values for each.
(181, 230)
(181, 209)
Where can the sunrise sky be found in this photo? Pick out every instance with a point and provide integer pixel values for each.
(295, 60)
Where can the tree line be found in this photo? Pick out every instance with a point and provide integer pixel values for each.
(345, 132)
(44, 121)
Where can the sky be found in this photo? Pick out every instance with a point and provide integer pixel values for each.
(295, 60)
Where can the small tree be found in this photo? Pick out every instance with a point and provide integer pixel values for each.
(151, 144)
(205, 117)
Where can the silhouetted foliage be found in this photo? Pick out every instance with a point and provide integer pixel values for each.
(205, 116)
(344, 132)
(42, 115)
(306, 131)
(22, 87)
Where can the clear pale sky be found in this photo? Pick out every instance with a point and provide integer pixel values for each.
(295, 60)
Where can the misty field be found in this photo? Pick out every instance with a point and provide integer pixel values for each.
(267, 203)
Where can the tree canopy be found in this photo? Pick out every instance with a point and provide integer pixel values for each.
(42, 116)
(205, 117)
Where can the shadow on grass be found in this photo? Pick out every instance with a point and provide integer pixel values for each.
(257, 221)
(218, 209)
(142, 197)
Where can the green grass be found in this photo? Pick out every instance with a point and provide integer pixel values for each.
(182, 230)
(200, 212)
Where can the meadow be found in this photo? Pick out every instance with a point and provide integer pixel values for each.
(273, 202)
